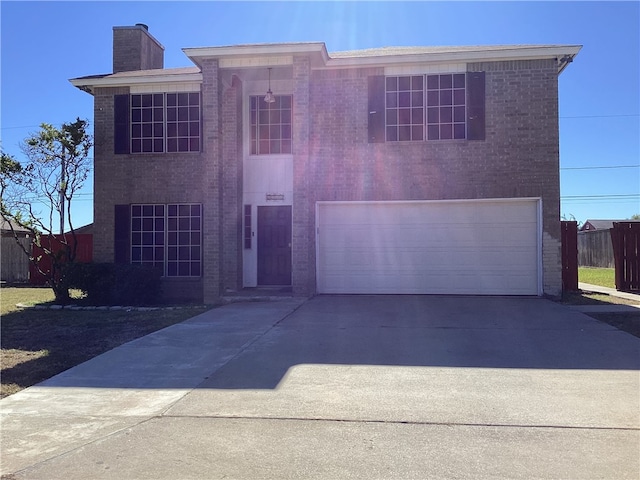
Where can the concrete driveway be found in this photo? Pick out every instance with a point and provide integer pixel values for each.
(344, 387)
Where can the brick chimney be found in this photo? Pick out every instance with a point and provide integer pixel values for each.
(134, 48)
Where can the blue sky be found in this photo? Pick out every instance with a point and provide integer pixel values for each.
(44, 44)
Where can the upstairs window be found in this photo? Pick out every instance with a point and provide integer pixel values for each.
(147, 123)
(404, 108)
(446, 107)
(157, 122)
(270, 125)
(426, 107)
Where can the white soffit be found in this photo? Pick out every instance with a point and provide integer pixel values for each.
(257, 55)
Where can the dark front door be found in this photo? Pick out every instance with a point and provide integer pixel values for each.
(274, 245)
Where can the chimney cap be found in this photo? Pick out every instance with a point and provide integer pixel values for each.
(146, 27)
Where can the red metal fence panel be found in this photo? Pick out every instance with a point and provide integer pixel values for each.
(84, 253)
(625, 237)
(569, 241)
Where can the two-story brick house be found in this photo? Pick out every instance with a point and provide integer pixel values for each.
(392, 170)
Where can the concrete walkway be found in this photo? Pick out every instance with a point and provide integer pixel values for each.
(343, 387)
(587, 287)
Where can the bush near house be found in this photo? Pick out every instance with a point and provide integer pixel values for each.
(116, 284)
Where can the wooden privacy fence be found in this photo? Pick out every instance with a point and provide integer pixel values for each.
(595, 249)
(569, 243)
(15, 264)
(625, 237)
(84, 253)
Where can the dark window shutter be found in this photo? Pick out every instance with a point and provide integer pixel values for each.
(475, 107)
(376, 109)
(121, 124)
(122, 233)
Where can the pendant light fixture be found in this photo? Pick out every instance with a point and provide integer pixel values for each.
(269, 97)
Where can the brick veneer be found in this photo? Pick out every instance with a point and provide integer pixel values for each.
(210, 172)
(232, 186)
(134, 48)
(334, 161)
(519, 157)
(146, 178)
(303, 214)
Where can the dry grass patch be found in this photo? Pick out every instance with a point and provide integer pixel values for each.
(38, 344)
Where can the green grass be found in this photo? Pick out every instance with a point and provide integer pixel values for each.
(9, 297)
(604, 277)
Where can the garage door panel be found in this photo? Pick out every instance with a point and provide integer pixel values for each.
(471, 259)
(428, 247)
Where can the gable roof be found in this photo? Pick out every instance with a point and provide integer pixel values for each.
(5, 226)
(86, 229)
(265, 54)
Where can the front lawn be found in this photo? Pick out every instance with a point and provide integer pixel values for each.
(38, 344)
(604, 277)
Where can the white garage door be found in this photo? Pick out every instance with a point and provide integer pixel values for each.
(485, 247)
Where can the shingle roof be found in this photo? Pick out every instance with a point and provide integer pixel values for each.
(5, 227)
(321, 59)
(384, 51)
(145, 73)
(159, 71)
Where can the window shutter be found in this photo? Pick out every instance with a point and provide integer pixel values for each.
(476, 104)
(121, 124)
(376, 109)
(122, 233)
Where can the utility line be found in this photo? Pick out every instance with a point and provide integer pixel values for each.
(600, 167)
(603, 116)
(629, 196)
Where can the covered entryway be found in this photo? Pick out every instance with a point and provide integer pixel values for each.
(274, 245)
(478, 247)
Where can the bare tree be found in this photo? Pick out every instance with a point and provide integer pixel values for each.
(38, 194)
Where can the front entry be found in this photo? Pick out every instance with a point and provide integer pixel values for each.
(274, 245)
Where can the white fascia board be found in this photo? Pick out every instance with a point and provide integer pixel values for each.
(124, 81)
(317, 49)
(457, 57)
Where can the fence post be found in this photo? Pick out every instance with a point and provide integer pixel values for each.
(625, 237)
(569, 245)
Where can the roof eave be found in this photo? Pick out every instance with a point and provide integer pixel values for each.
(88, 85)
(564, 55)
(317, 50)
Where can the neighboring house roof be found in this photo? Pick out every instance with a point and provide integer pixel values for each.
(5, 227)
(282, 54)
(600, 224)
(86, 229)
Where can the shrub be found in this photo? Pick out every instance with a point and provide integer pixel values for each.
(115, 284)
